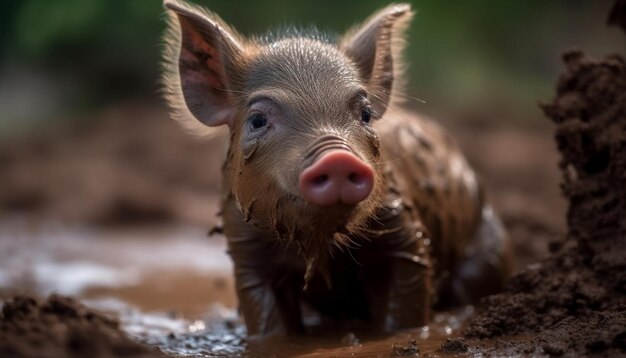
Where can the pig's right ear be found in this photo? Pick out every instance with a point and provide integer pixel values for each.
(202, 58)
(375, 48)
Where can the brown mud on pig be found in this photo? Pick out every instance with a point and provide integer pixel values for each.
(338, 205)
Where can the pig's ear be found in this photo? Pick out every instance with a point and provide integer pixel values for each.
(376, 47)
(202, 58)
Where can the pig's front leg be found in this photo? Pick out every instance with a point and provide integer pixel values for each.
(269, 296)
(257, 302)
(268, 301)
(401, 245)
(410, 291)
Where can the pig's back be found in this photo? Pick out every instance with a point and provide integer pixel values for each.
(425, 165)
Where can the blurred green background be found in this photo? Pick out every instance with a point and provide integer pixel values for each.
(492, 58)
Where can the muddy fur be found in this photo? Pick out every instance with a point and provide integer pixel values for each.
(424, 225)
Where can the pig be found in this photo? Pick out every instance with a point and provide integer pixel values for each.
(338, 205)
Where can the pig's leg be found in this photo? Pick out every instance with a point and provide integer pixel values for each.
(268, 306)
(409, 303)
(486, 265)
(399, 241)
(257, 303)
(268, 299)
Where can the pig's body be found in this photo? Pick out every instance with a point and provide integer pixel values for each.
(335, 202)
(433, 240)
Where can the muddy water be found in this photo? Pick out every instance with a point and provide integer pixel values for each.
(172, 288)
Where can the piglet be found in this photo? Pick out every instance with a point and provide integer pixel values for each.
(337, 204)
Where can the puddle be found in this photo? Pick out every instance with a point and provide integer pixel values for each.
(172, 288)
(168, 269)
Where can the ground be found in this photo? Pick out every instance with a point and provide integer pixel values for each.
(134, 168)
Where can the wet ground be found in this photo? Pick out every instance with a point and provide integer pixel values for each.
(172, 288)
(108, 214)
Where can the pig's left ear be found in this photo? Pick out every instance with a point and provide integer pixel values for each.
(375, 47)
(202, 60)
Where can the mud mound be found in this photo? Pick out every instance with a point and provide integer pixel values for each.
(579, 293)
(62, 327)
(590, 113)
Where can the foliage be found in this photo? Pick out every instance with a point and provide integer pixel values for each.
(462, 53)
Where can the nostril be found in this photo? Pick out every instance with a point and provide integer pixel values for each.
(321, 179)
(355, 178)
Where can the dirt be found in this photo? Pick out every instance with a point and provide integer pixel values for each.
(576, 299)
(134, 167)
(455, 345)
(62, 327)
(78, 177)
(532, 210)
(401, 350)
(125, 165)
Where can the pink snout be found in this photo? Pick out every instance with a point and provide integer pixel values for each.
(338, 177)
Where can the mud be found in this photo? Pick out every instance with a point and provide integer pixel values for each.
(124, 165)
(454, 346)
(75, 235)
(576, 298)
(62, 327)
(69, 329)
(171, 288)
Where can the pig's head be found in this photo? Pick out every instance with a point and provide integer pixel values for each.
(304, 157)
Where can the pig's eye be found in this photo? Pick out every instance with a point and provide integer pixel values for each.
(257, 121)
(366, 115)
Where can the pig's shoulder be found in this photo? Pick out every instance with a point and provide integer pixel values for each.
(425, 165)
(409, 135)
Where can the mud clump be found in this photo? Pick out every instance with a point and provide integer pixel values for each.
(62, 327)
(454, 345)
(590, 114)
(410, 349)
(577, 297)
